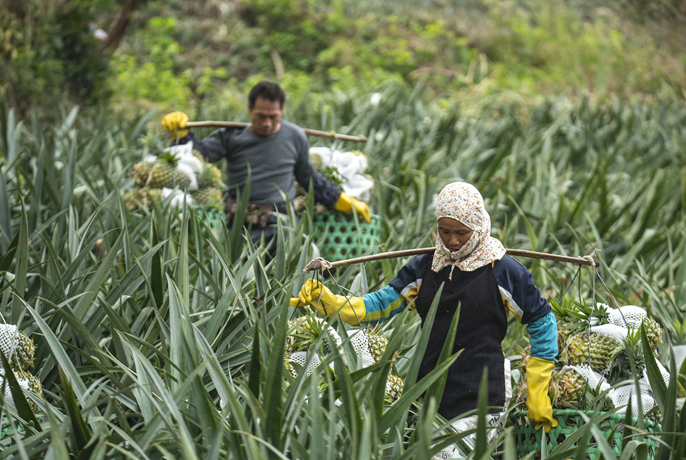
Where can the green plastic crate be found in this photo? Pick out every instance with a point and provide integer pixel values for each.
(338, 236)
(528, 439)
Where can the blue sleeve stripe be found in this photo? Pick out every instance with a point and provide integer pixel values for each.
(543, 337)
(381, 305)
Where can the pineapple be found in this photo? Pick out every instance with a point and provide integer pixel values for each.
(653, 332)
(140, 172)
(567, 388)
(34, 386)
(394, 386)
(210, 197)
(574, 317)
(210, 176)
(575, 351)
(316, 160)
(377, 345)
(165, 176)
(198, 155)
(23, 354)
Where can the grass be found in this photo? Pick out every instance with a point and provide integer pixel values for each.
(160, 337)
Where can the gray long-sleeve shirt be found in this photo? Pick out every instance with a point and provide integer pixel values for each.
(272, 161)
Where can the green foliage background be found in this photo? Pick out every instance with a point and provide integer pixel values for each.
(186, 54)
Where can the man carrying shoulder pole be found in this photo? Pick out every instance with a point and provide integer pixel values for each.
(274, 151)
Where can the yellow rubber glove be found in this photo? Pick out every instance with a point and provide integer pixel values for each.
(538, 374)
(346, 203)
(175, 122)
(325, 302)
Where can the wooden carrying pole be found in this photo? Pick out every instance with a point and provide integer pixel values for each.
(309, 132)
(317, 264)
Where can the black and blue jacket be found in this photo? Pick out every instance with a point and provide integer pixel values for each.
(515, 283)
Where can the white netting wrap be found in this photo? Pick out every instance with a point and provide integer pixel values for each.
(634, 316)
(593, 378)
(9, 338)
(359, 341)
(663, 371)
(620, 397)
(300, 357)
(616, 332)
(23, 383)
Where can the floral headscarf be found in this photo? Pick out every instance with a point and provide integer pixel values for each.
(463, 202)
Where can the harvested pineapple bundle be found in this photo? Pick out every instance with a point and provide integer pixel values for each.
(178, 174)
(305, 332)
(597, 347)
(346, 170)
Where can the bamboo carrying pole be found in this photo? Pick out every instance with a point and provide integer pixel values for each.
(309, 132)
(321, 264)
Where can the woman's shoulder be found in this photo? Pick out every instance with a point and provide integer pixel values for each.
(509, 266)
(412, 272)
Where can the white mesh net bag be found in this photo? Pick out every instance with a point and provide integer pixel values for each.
(663, 371)
(9, 338)
(620, 398)
(634, 316)
(23, 383)
(593, 378)
(616, 332)
(359, 341)
(300, 358)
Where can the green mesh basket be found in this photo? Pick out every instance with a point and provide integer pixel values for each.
(338, 236)
(528, 439)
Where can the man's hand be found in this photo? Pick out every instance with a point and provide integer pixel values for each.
(176, 122)
(346, 203)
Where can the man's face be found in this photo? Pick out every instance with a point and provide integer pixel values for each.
(265, 116)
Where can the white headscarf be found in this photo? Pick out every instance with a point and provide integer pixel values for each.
(463, 202)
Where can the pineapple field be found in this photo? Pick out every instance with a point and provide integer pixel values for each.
(136, 327)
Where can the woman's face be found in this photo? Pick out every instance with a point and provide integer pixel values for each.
(454, 234)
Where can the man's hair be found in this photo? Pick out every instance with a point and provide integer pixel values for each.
(269, 91)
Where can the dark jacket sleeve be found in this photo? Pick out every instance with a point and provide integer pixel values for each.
(518, 290)
(324, 191)
(214, 147)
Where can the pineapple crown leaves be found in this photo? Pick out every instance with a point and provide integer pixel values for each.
(577, 316)
(169, 159)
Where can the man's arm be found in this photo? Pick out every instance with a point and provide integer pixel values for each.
(214, 147)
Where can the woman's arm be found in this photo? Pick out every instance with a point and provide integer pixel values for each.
(522, 297)
(375, 307)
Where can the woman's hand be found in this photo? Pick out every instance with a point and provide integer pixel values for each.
(538, 375)
(326, 303)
